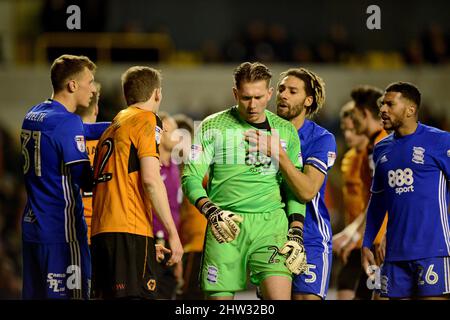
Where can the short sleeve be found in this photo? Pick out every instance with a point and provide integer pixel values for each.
(69, 136)
(322, 153)
(147, 135)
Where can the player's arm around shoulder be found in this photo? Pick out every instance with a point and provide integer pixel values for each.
(93, 131)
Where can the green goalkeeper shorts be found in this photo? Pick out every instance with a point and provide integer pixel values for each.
(225, 265)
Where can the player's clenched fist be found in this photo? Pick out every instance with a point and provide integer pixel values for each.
(295, 251)
(224, 224)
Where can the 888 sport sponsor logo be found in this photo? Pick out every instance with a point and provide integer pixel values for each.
(402, 180)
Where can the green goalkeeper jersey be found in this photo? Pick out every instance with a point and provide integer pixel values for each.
(240, 181)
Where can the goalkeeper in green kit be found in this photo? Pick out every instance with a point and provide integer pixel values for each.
(255, 222)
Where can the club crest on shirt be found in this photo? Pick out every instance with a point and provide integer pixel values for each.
(158, 131)
(151, 285)
(448, 153)
(196, 150)
(81, 145)
(418, 155)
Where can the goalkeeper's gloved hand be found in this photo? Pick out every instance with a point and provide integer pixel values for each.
(224, 224)
(295, 251)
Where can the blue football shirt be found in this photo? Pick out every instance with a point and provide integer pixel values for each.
(52, 139)
(412, 174)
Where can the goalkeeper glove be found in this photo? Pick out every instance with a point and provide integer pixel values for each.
(224, 224)
(294, 251)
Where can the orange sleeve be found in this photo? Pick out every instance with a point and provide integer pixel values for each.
(147, 133)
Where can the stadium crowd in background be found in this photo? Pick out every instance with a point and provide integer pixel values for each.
(261, 39)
